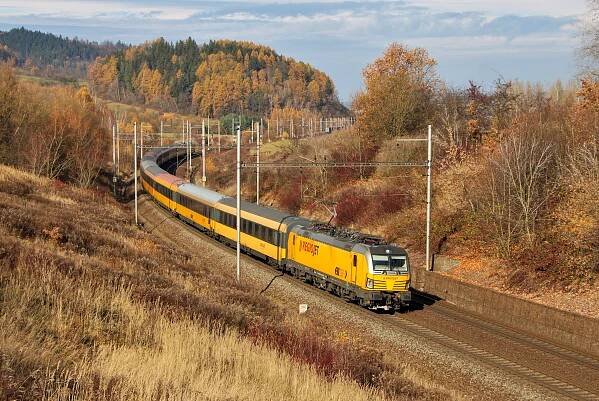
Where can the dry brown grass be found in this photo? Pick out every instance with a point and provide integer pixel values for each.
(93, 308)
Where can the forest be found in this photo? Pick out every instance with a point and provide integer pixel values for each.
(49, 55)
(213, 79)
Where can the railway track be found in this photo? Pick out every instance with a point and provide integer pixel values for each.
(522, 369)
(518, 369)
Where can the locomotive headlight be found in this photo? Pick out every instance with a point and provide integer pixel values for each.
(369, 283)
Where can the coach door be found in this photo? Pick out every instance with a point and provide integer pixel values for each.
(354, 268)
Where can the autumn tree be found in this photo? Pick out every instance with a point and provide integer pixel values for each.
(9, 112)
(53, 131)
(398, 93)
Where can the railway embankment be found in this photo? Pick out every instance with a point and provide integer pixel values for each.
(558, 326)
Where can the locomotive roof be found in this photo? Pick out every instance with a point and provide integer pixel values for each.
(345, 239)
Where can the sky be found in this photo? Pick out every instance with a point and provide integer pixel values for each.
(479, 40)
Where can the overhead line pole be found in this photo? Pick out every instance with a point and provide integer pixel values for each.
(203, 154)
(114, 159)
(238, 196)
(429, 163)
(189, 147)
(118, 150)
(135, 167)
(141, 146)
(258, 128)
(113, 150)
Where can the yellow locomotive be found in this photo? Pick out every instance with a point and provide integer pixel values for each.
(357, 267)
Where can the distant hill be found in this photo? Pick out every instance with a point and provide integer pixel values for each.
(215, 79)
(51, 55)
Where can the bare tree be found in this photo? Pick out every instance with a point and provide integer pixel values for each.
(451, 119)
(582, 162)
(88, 153)
(520, 185)
(47, 150)
(590, 35)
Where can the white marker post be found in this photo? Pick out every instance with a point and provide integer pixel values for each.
(238, 200)
(135, 168)
(429, 163)
(161, 131)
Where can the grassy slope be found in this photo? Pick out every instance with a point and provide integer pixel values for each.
(92, 308)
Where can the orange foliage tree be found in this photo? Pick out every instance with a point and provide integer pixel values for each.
(398, 94)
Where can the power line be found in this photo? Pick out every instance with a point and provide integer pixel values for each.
(330, 164)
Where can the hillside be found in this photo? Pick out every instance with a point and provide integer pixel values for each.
(212, 79)
(51, 55)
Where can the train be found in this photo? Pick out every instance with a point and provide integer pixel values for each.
(360, 268)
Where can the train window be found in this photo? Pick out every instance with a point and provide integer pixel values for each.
(215, 214)
(293, 239)
(355, 260)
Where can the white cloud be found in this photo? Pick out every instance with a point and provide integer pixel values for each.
(93, 9)
(556, 8)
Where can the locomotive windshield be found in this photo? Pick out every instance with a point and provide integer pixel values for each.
(390, 263)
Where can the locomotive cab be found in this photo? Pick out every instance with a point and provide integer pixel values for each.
(389, 274)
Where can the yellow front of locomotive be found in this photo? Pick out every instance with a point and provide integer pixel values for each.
(387, 280)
